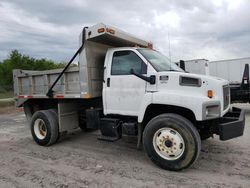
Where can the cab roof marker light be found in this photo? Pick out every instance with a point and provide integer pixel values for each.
(101, 30)
(111, 31)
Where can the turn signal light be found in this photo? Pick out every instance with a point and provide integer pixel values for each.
(210, 93)
(101, 30)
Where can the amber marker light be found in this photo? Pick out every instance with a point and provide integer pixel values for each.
(101, 30)
(111, 31)
(210, 93)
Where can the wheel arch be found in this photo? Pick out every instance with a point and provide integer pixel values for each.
(33, 105)
(154, 110)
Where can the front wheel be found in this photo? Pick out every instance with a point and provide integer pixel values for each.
(171, 142)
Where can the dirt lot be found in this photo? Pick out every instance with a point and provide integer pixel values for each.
(81, 160)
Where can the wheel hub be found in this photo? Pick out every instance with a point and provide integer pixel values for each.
(168, 143)
(40, 129)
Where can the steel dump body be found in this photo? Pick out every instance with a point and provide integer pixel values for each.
(37, 83)
(82, 81)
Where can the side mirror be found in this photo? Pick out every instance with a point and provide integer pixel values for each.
(150, 79)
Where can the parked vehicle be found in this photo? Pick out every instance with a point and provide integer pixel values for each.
(236, 71)
(124, 87)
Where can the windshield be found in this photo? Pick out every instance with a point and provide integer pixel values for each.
(159, 61)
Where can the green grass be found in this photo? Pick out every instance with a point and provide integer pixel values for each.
(8, 94)
(7, 102)
(6, 99)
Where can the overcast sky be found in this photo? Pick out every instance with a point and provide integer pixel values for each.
(211, 29)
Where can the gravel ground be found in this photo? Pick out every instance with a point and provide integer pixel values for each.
(80, 160)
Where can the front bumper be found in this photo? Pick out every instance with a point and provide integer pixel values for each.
(232, 124)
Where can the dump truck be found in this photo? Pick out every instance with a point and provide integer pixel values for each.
(123, 87)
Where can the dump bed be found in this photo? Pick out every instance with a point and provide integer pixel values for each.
(35, 84)
(84, 80)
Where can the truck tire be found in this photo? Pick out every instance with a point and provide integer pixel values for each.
(171, 142)
(55, 114)
(44, 127)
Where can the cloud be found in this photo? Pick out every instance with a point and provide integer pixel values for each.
(216, 29)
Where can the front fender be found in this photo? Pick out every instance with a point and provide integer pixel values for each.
(196, 104)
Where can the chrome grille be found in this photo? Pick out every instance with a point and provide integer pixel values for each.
(226, 96)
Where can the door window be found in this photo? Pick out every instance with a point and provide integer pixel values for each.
(124, 61)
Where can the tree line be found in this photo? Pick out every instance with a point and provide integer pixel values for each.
(16, 60)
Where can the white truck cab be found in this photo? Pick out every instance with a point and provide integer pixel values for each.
(126, 94)
(124, 87)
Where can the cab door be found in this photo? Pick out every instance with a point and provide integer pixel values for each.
(122, 91)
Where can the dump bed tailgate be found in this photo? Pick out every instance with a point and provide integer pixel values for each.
(35, 84)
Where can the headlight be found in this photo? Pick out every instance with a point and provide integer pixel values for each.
(212, 111)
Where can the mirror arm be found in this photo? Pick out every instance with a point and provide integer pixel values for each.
(150, 79)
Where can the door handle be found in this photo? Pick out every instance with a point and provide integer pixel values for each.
(108, 82)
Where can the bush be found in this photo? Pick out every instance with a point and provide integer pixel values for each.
(17, 60)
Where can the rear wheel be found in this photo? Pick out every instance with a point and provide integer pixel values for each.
(171, 142)
(44, 127)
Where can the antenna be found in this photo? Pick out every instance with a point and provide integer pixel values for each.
(169, 50)
(169, 47)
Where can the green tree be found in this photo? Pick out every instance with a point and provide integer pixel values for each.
(17, 60)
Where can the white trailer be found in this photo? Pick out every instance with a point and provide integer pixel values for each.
(236, 71)
(124, 87)
(228, 69)
(231, 69)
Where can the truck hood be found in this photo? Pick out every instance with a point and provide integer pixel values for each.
(192, 75)
(173, 83)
